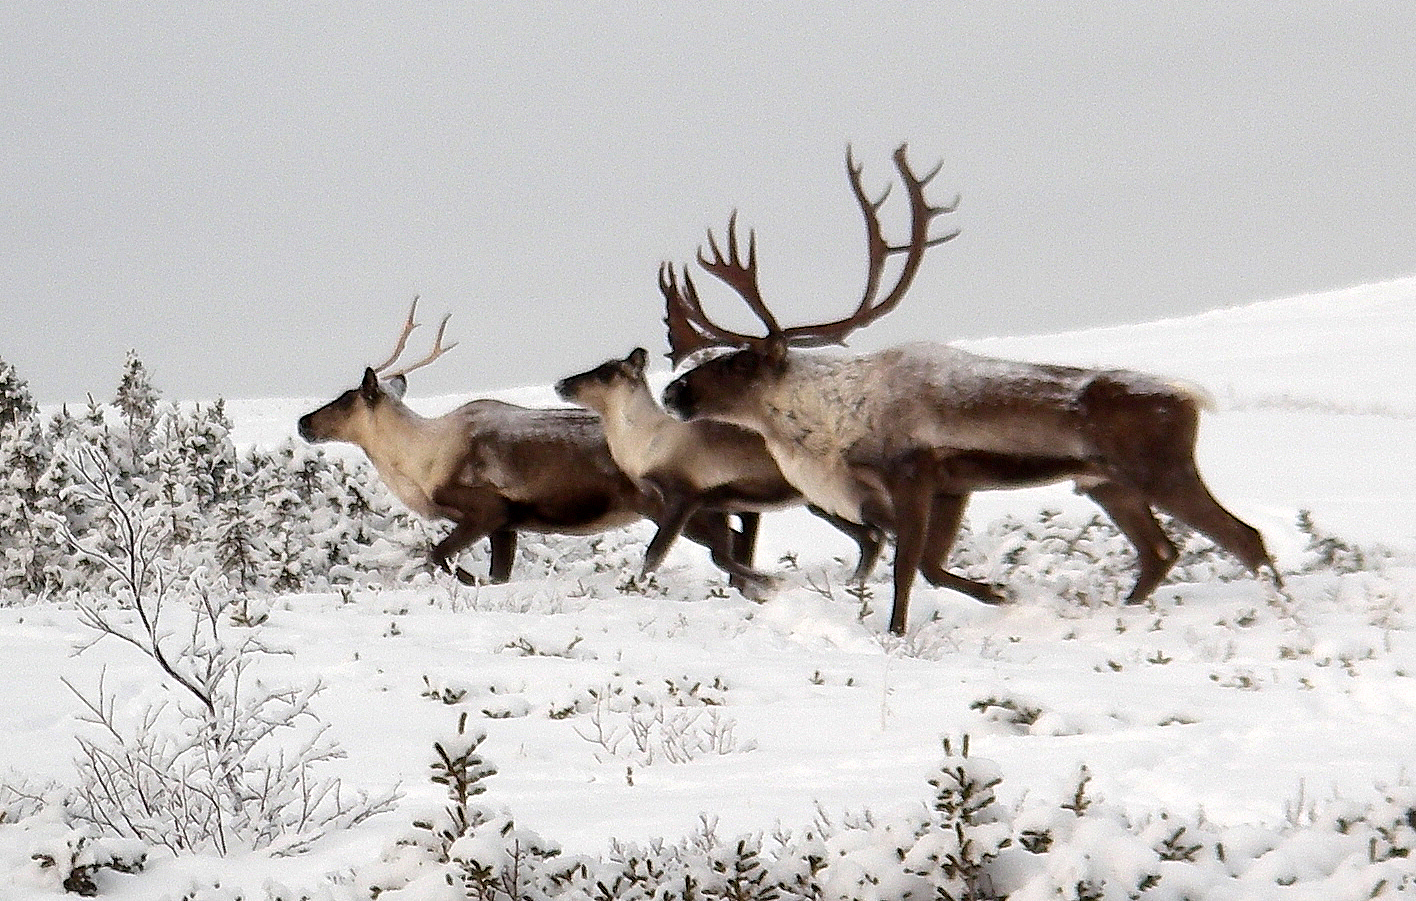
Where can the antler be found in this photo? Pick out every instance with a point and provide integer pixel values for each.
(741, 277)
(690, 329)
(408, 326)
(689, 325)
(878, 250)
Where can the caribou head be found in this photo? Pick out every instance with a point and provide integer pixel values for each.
(355, 414)
(728, 385)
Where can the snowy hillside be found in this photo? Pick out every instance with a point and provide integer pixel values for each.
(1225, 741)
(1339, 351)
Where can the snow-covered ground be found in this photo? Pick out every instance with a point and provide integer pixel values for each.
(1222, 701)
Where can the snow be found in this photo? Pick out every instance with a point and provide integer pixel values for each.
(1223, 704)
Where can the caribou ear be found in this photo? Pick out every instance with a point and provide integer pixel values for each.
(397, 387)
(370, 386)
(637, 359)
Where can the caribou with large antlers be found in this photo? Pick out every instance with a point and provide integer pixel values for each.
(492, 468)
(899, 438)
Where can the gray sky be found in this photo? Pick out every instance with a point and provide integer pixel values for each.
(250, 194)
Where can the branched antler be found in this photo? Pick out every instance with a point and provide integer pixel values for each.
(690, 329)
(408, 326)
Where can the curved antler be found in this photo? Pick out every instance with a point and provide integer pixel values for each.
(690, 329)
(740, 276)
(878, 250)
(689, 325)
(408, 326)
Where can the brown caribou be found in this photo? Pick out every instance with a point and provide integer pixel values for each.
(899, 438)
(492, 468)
(692, 466)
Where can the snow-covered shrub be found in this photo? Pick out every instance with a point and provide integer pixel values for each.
(230, 763)
(644, 724)
(966, 832)
(16, 402)
(28, 551)
(474, 848)
(70, 859)
(20, 798)
(1325, 552)
(240, 775)
(964, 845)
(1084, 559)
(289, 518)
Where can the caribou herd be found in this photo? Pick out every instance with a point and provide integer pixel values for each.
(883, 444)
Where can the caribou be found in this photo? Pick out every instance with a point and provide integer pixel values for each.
(492, 468)
(692, 466)
(899, 438)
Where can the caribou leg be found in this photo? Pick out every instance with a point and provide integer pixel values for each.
(462, 535)
(1188, 499)
(478, 514)
(503, 542)
(745, 537)
(712, 530)
(1155, 553)
(867, 538)
(744, 545)
(911, 496)
(944, 521)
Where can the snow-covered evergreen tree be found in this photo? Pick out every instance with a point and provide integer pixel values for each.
(136, 400)
(26, 548)
(16, 402)
(262, 520)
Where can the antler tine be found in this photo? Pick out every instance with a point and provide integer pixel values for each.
(877, 249)
(685, 335)
(922, 213)
(690, 329)
(437, 351)
(741, 277)
(408, 326)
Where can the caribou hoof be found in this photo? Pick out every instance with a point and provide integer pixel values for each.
(979, 591)
(756, 588)
(990, 595)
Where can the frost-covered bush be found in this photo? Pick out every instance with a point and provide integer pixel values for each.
(467, 845)
(964, 845)
(1084, 559)
(231, 762)
(1325, 552)
(267, 520)
(644, 724)
(63, 858)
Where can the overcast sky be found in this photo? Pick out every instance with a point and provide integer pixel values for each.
(249, 195)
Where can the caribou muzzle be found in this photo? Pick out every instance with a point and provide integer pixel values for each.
(307, 430)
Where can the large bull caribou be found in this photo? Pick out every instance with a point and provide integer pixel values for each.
(899, 438)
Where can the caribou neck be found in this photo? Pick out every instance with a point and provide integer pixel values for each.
(632, 420)
(410, 452)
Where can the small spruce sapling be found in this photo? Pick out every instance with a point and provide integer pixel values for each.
(966, 832)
